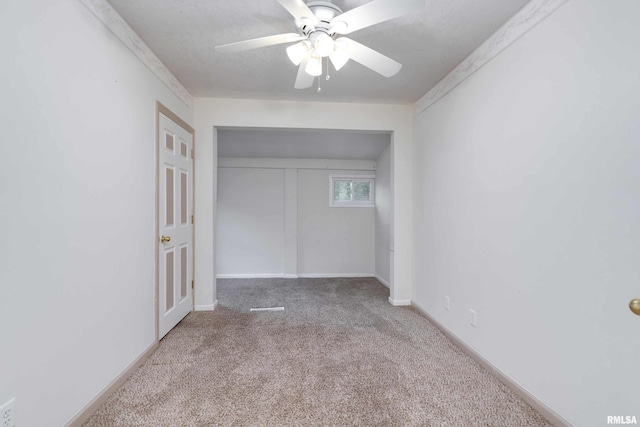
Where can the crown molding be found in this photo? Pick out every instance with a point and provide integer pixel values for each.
(119, 27)
(522, 22)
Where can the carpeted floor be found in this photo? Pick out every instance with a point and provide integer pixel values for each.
(339, 355)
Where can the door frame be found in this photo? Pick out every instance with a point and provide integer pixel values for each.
(161, 109)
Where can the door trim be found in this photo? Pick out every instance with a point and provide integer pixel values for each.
(161, 109)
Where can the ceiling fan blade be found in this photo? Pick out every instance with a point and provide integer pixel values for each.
(299, 10)
(370, 58)
(304, 80)
(259, 42)
(374, 12)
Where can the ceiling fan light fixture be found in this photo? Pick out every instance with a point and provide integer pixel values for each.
(298, 52)
(323, 45)
(314, 66)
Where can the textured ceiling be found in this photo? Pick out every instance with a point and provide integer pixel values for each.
(429, 44)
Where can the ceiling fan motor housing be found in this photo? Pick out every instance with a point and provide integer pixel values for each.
(324, 11)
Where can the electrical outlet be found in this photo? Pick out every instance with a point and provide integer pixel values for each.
(7, 414)
(474, 319)
(446, 303)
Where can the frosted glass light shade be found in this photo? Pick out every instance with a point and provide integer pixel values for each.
(298, 52)
(339, 58)
(314, 66)
(323, 45)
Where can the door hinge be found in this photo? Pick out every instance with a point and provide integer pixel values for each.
(192, 284)
(191, 219)
(193, 155)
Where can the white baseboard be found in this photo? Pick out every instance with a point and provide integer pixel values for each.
(93, 405)
(250, 276)
(551, 415)
(381, 280)
(207, 307)
(295, 276)
(334, 276)
(399, 302)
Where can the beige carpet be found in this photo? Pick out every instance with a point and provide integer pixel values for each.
(339, 355)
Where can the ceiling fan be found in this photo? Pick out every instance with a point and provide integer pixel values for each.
(320, 28)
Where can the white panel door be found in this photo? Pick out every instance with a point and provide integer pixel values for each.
(175, 254)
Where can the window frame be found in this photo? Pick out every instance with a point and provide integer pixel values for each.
(352, 203)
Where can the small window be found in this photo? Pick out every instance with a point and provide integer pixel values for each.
(352, 191)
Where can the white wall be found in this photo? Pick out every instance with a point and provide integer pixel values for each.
(527, 193)
(212, 112)
(332, 241)
(251, 226)
(77, 208)
(383, 217)
(276, 221)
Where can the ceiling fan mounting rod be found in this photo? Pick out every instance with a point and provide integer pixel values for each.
(324, 10)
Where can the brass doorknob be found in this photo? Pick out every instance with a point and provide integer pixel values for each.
(634, 305)
(165, 239)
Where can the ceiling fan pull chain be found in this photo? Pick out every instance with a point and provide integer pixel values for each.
(328, 76)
